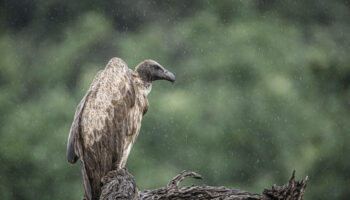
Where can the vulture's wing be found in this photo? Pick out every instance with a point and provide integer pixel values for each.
(101, 124)
(74, 135)
(72, 155)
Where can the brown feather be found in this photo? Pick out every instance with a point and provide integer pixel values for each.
(106, 123)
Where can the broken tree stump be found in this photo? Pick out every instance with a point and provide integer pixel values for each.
(121, 185)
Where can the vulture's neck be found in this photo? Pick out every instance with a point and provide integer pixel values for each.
(144, 87)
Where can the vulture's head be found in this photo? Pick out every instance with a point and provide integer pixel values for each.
(150, 70)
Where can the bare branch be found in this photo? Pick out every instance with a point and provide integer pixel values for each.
(121, 185)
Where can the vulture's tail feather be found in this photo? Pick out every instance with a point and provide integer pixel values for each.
(86, 182)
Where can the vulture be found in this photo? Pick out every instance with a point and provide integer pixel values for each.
(108, 119)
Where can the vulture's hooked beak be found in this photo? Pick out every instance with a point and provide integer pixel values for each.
(169, 76)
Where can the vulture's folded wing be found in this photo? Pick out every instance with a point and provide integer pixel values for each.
(101, 123)
(72, 154)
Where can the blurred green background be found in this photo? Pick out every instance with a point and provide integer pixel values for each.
(263, 87)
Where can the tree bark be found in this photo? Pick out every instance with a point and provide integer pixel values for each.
(121, 185)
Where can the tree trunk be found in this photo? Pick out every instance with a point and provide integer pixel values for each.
(121, 185)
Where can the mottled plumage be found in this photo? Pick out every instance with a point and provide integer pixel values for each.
(108, 119)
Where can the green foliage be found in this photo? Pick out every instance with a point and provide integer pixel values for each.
(262, 88)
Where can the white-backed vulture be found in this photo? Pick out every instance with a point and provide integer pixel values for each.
(108, 119)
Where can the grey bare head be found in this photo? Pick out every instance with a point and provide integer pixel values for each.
(150, 70)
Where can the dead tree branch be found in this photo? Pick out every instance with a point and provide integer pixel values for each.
(121, 185)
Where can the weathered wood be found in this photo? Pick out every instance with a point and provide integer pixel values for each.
(121, 185)
(292, 190)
